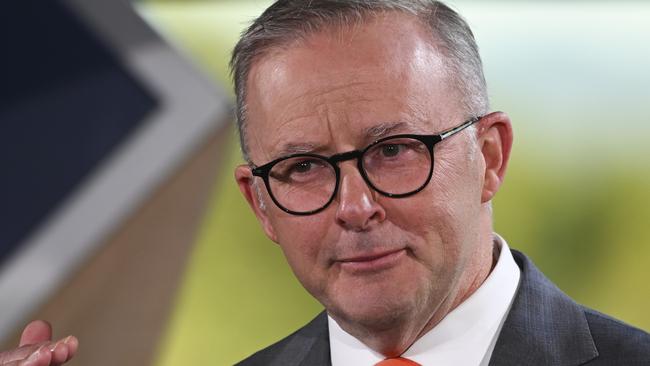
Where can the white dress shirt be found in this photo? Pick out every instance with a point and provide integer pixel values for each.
(466, 336)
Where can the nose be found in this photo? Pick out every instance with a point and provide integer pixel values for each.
(357, 208)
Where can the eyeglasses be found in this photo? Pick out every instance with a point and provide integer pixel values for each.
(395, 166)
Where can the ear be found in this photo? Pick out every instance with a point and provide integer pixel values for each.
(495, 140)
(244, 178)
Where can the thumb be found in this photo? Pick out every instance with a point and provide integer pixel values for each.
(36, 332)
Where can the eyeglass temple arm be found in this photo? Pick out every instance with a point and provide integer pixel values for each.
(455, 130)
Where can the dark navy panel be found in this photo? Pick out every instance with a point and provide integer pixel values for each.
(66, 103)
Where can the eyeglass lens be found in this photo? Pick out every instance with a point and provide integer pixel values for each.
(396, 167)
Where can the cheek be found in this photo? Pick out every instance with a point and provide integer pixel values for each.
(456, 186)
(301, 240)
(438, 218)
(426, 226)
(432, 213)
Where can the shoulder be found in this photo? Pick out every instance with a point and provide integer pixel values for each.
(545, 326)
(308, 345)
(617, 343)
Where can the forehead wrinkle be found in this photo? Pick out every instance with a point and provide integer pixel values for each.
(325, 100)
(344, 86)
(299, 148)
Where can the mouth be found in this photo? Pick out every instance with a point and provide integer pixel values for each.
(374, 262)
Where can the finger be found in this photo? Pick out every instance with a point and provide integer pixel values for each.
(73, 344)
(19, 353)
(63, 350)
(40, 357)
(59, 353)
(36, 332)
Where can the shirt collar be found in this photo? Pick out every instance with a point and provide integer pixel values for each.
(473, 325)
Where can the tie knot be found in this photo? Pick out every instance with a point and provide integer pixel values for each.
(397, 361)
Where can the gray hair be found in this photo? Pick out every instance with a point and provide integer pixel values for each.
(289, 20)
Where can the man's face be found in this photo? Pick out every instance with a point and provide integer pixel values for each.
(370, 260)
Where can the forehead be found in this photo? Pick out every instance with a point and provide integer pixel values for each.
(346, 81)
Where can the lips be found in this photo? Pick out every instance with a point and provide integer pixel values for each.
(372, 262)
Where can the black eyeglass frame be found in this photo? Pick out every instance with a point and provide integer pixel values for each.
(429, 140)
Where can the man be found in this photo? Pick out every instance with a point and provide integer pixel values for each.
(372, 161)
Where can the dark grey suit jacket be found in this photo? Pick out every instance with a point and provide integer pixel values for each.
(544, 327)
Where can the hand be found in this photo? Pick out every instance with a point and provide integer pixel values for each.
(36, 348)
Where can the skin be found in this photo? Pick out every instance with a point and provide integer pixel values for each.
(36, 348)
(387, 270)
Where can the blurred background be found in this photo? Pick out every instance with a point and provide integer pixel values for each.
(184, 275)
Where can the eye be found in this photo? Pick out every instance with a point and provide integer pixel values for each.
(391, 150)
(299, 169)
(395, 153)
(302, 166)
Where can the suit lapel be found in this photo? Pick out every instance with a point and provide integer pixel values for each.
(310, 346)
(544, 326)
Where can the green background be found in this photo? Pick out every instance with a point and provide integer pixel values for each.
(574, 79)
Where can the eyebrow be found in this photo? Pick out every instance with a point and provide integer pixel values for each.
(298, 148)
(368, 134)
(383, 129)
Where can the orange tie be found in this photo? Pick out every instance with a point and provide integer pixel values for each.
(398, 361)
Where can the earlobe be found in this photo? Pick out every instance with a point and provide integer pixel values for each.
(244, 180)
(495, 140)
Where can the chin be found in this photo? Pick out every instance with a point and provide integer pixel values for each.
(373, 313)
